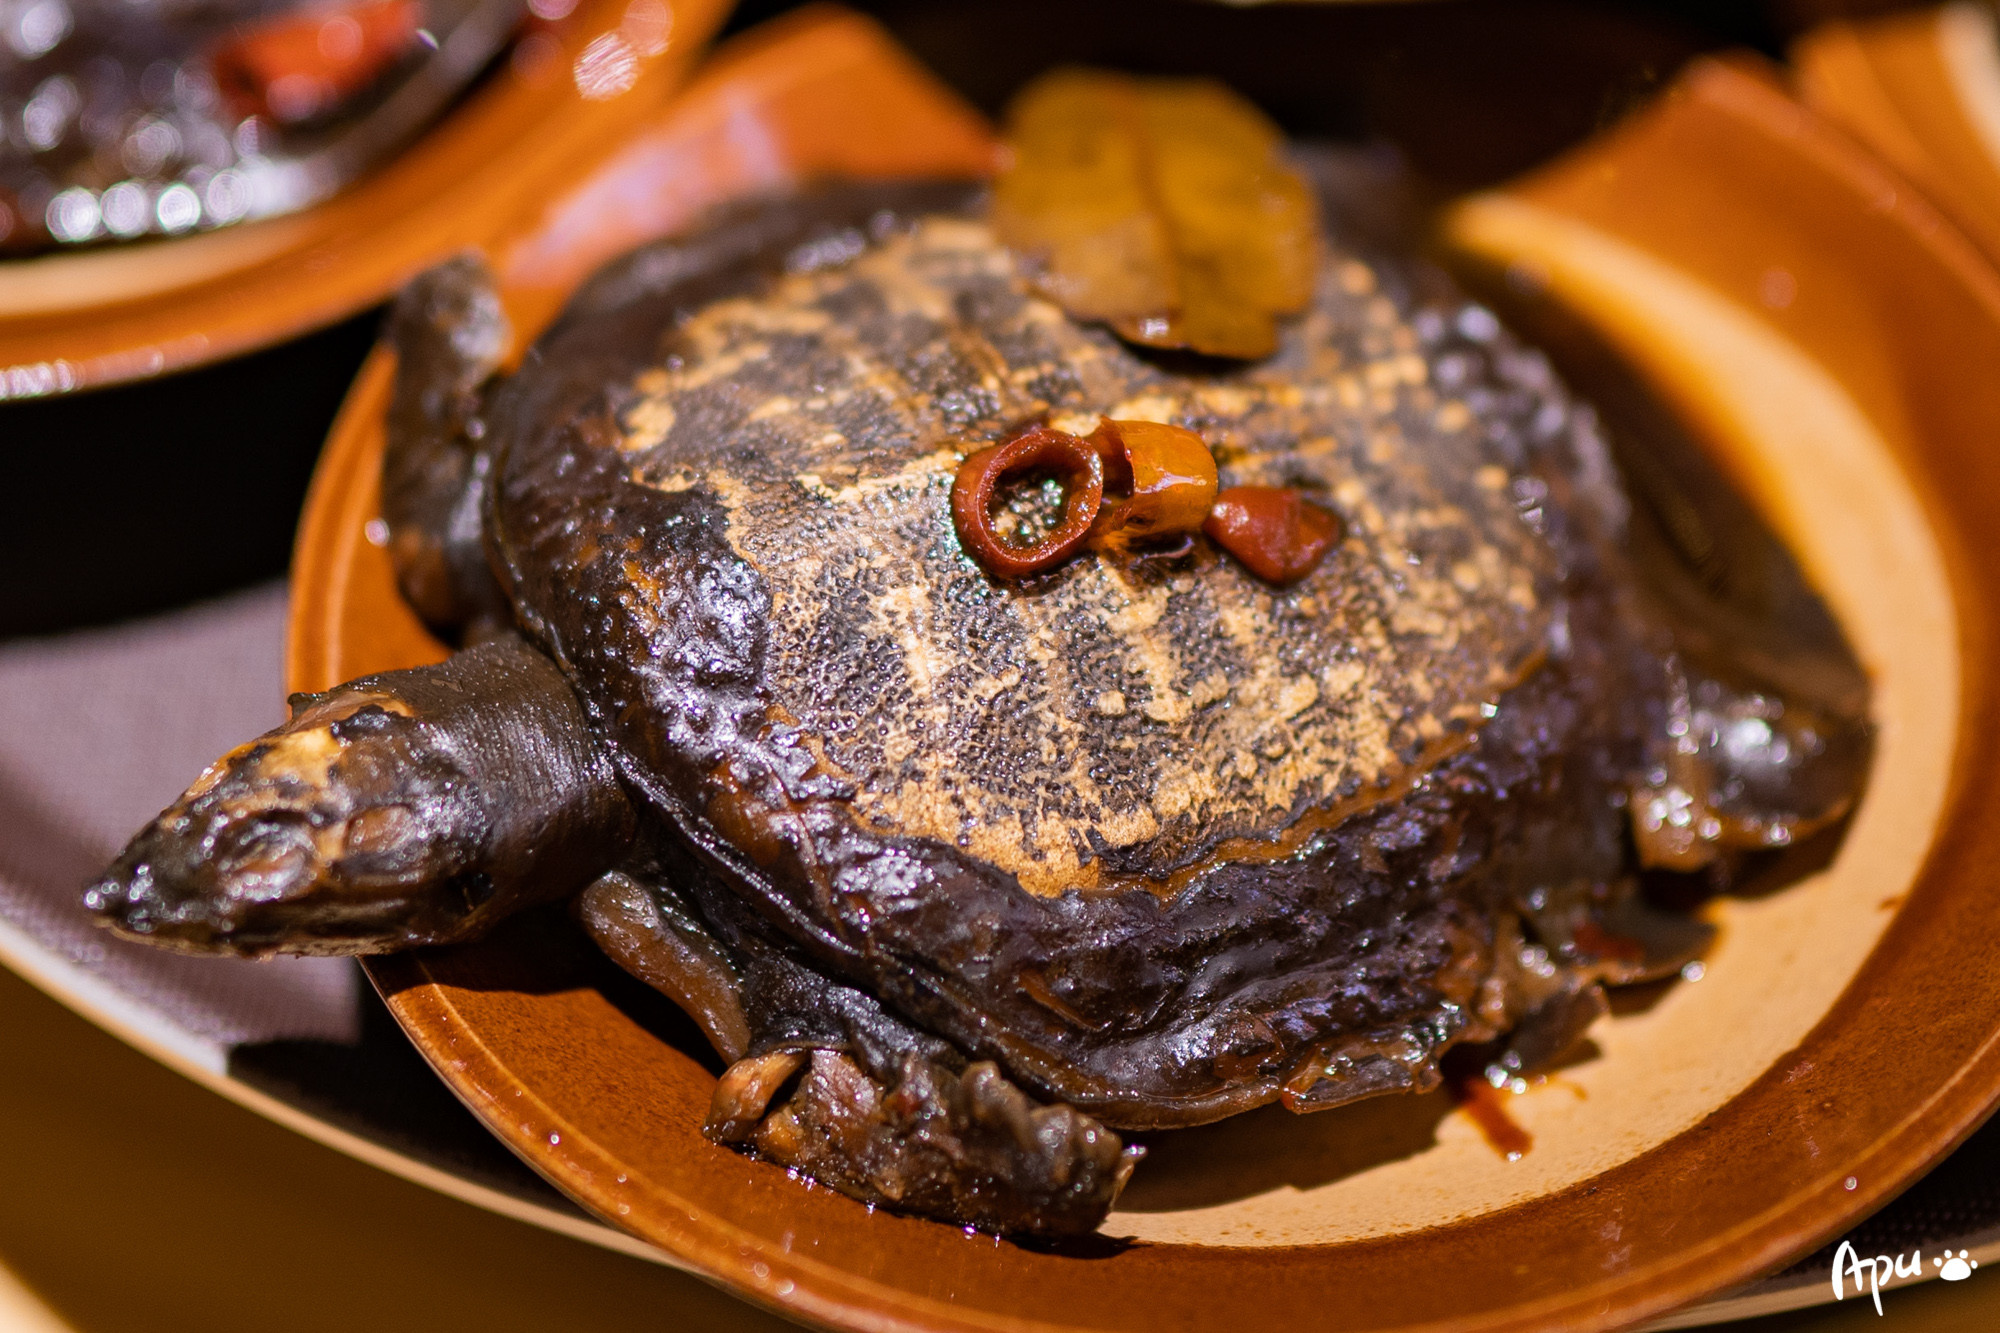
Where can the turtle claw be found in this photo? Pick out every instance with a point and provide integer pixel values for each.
(967, 1147)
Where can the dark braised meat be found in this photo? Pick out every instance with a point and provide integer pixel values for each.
(961, 875)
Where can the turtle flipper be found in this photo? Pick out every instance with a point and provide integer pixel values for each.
(449, 335)
(822, 1079)
(409, 808)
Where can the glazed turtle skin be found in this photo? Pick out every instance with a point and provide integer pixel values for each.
(964, 876)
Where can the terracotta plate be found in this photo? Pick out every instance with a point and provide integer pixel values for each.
(121, 312)
(1832, 340)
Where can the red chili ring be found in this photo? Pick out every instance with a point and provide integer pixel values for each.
(1076, 462)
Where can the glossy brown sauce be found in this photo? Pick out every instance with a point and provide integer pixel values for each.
(1486, 1106)
(1595, 940)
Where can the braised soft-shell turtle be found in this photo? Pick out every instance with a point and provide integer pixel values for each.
(964, 876)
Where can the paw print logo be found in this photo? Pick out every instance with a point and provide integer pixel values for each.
(1955, 1267)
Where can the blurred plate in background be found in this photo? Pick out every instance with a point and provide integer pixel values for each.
(72, 321)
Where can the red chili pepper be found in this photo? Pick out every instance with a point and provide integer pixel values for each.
(294, 67)
(1166, 477)
(1278, 534)
(1076, 463)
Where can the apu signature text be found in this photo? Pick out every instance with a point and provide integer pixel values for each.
(1849, 1266)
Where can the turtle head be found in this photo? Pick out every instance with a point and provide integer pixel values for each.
(341, 832)
(408, 808)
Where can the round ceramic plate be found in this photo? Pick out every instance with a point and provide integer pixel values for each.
(1830, 339)
(121, 312)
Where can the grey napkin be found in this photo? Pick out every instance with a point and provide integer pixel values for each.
(98, 731)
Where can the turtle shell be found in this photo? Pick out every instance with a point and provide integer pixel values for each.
(1164, 840)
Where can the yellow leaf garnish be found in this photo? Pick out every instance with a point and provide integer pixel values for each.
(1160, 207)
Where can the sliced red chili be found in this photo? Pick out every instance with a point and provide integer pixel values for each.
(1168, 475)
(1278, 534)
(1110, 447)
(1076, 464)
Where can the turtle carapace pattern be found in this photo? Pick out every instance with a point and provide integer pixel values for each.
(965, 879)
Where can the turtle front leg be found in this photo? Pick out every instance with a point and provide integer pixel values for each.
(409, 808)
(825, 1081)
(449, 335)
